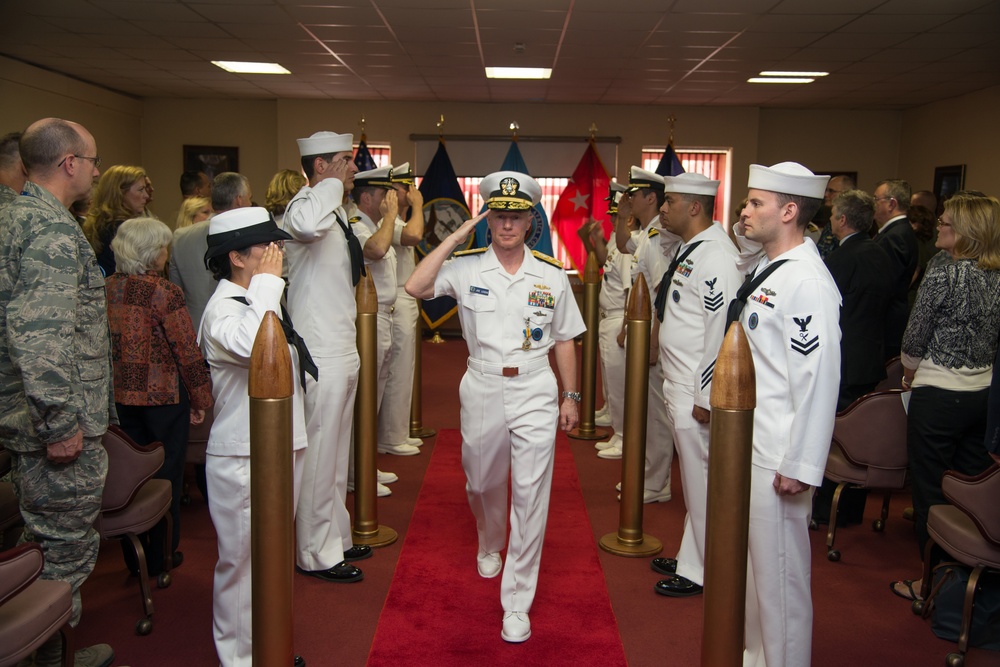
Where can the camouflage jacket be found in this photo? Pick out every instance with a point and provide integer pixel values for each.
(55, 355)
(7, 196)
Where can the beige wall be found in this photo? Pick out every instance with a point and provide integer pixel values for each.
(29, 94)
(876, 144)
(963, 130)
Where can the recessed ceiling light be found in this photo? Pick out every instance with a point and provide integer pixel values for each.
(779, 79)
(250, 68)
(775, 73)
(518, 72)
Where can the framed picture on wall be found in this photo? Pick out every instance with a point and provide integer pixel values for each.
(212, 160)
(948, 181)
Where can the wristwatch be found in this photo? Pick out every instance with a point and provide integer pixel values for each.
(573, 395)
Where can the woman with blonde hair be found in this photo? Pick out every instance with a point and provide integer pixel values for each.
(121, 193)
(193, 209)
(949, 349)
(283, 186)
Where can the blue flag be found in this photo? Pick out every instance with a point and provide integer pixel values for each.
(445, 209)
(363, 158)
(669, 165)
(538, 238)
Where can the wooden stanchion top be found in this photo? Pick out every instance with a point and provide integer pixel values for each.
(639, 307)
(270, 361)
(591, 272)
(734, 382)
(365, 295)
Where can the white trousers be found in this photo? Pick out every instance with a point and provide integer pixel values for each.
(659, 439)
(508, 431)
(779, 602)
(394, 410)
(613, 371)
(691, 443)
(322, 524)
(229, 504)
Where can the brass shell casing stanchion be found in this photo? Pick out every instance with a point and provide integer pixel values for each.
(630, 540)
(417, 429)
(272, 521)
(734, 396)
(588, 375)
(365, 529)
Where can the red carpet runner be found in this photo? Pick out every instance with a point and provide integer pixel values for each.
(440, 611)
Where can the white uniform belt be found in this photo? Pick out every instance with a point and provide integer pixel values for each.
(386, 309)
(508, 371)
(617, 312)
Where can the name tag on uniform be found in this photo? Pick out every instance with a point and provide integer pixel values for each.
(478, 290)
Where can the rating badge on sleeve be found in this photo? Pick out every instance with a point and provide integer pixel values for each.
(804, 342)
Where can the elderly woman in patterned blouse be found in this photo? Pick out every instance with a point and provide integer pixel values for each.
(162, 383)
(948, 352)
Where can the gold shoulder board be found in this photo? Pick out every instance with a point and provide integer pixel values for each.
(545, 258)
(653, 232)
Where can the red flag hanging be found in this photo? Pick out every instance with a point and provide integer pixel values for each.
(581, 201)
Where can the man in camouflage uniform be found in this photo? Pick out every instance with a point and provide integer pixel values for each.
(55, 361)
(11, 169)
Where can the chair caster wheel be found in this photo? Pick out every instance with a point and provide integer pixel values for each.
(185, 500)
(955, 660)
(163, 580)
(917, 607)
(833, 555)
(878, 525)
(813, 525)
(143, 627)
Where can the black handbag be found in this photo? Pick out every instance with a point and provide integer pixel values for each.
(948, 597)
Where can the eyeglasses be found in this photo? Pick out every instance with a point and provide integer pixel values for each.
(942, 223)
(96, 160)
(883, 198)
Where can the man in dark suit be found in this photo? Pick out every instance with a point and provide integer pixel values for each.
(861, 270)
(897, 239)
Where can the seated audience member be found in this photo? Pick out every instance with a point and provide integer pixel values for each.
(245, 255)
(120, 194)
(193, 209)
(948, 353)
(161, 380)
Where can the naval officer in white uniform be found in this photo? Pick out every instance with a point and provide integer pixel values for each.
(691, 307)
(244, 255)
(649, 246)
(324, 264)
(514, 305)
(790, 313)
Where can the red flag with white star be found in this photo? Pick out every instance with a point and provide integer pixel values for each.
(581, 201)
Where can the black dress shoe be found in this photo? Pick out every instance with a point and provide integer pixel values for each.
(341, 573)
(677, 587)
(299, 661)
(358, 552)
(664, 565)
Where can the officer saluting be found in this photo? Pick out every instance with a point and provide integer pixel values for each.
(514, 306)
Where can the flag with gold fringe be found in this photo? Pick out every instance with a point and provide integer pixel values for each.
(581, 201)
(445, 209)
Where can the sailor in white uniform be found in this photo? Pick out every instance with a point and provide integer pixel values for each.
(394, 414)
(791, 319)
(245, 256)
(324, 263)
(648, 246)
(691, 307)
(514, 305)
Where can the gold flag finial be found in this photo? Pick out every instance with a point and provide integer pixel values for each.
(514, 127)
(362, 123)
(440, 125)
(593, 131)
